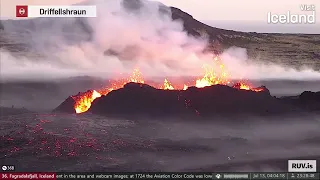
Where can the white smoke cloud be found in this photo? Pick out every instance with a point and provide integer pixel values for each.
(146, 38)
(239, 65)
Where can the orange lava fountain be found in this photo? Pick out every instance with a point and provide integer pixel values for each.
(213, 75)
(167, 85)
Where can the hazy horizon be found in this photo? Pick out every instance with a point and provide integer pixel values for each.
(259, 27)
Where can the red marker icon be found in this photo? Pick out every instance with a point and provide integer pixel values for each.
(21, 11)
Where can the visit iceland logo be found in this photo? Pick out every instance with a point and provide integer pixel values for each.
(307, 15)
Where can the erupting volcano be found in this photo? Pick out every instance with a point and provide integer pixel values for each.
(214, 74)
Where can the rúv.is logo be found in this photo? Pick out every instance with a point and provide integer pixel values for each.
(302, 165)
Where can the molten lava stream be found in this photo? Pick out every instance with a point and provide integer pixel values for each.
(245, 86)
(83, 101)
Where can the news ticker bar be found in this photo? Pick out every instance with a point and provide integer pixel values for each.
(56, 11)
(161, 175)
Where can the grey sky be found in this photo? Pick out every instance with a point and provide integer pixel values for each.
(214, 12)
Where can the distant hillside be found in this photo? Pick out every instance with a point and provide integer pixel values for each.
(290, 49)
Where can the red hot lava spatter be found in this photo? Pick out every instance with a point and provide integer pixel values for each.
(65, 142)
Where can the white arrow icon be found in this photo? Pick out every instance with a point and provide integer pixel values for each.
(22, 11)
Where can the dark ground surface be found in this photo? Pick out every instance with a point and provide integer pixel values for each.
(85, 142)
(62, 142)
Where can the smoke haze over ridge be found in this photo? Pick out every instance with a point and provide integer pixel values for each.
(123, 36)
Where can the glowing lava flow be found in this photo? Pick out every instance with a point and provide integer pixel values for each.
(247, 87)
(84, 100)
(213, 75)
(244, 86)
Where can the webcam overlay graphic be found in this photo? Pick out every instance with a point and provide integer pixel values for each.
(21, 11)
(55, 11)
(137, 89)
(306, 16)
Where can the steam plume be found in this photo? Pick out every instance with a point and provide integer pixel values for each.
(124, 35)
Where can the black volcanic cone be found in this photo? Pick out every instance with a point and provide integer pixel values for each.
(141, 99)
(310, 100)
(307, 100)
(310, 96)
(66, 106)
